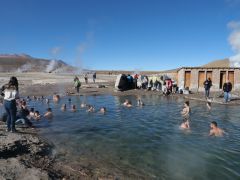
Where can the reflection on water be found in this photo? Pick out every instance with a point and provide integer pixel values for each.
(146, 142)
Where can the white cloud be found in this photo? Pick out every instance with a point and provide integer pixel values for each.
(234, 41)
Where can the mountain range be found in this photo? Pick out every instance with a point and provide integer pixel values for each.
(27, 63)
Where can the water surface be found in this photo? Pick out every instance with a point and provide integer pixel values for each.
(146, 142)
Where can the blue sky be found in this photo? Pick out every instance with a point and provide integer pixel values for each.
(119, 34)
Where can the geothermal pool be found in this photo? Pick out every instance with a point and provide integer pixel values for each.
(146, 142)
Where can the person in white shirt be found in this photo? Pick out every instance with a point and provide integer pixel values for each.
(10, 93)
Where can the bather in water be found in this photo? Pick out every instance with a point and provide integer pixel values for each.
(127, 103)
(73, 108)
(215, 130)
(186, 116)
(48, 114)
(64, 107)
(103, 110)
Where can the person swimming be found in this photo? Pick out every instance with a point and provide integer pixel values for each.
(103, 110)
(64, 107)
(90, 109)
(47, 101)
(140, 103)
(186, 116)
(127, 103)
(215, 130)
(209, 105)
(48, 114)
(37, 115)
(73, 108)
(56, 97)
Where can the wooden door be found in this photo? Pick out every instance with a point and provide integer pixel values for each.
(201, 78)
(209, 74)
(231, 77)
(222, 79)
(187, 80)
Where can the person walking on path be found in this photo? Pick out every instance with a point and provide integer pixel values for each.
(207, 85)
(77, 84)
(86, 78)
(94, 77)
(10, 93)
(227, 88)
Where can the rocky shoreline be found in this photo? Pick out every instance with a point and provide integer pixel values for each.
(25, 155)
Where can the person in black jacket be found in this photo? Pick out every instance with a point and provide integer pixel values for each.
(227, 88)
(207, 85)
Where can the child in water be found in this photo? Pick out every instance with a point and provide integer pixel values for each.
(127, 103)
(186, 116)
(215, 130)
(48, 114)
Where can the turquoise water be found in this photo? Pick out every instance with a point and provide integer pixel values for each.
(146, 142)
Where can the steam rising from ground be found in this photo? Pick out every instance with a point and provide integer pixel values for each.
(51, 66)
(234, 40)
(81, 49)
(24, 68)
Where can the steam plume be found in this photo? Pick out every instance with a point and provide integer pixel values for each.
(51, 66)
(56, 51)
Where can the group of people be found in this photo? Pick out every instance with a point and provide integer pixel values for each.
(154, 83)
(77, 82)
(214, 131)
(227, 88)
(88, 107)
(16, 109)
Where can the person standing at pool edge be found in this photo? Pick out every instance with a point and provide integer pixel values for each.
(207, 85)
(10, 93)
(227, 88)
(86, 78)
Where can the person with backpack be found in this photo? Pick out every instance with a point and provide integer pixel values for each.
(77, 84)
(227, 88)
(10, 93)
(207, 85)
